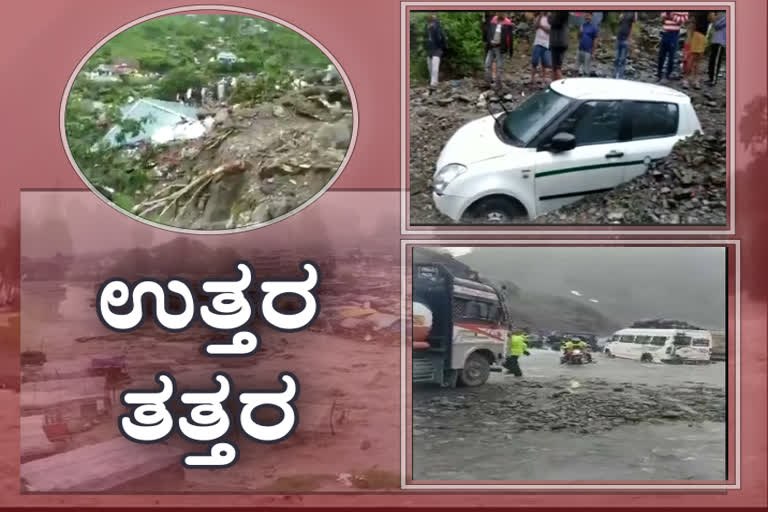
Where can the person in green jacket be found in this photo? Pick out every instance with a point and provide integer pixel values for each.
(517, 345)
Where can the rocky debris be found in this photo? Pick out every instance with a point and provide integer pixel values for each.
(694, 196)
(592, 406)
(289, 148)
(687, 187)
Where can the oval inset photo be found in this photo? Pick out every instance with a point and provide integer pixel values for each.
(209, 122)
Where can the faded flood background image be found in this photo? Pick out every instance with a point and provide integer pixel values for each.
(614, 420)
(73, 368)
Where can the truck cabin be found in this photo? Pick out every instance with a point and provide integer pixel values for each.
(442, 302)
(451, 300)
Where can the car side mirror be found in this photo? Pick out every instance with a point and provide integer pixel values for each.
(562, 141)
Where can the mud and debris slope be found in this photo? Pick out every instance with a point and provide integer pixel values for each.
(256, 163)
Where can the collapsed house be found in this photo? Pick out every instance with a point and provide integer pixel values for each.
(162, 122)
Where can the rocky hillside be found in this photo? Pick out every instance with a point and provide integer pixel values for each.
(526, 309)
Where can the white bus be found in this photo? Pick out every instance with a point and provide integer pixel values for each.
(660, 345)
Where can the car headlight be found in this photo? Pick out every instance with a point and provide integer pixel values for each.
(446, 175)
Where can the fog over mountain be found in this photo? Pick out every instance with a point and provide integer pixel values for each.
(628, 283)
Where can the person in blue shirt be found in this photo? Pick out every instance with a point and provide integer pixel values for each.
(587, 43)
(717, 47)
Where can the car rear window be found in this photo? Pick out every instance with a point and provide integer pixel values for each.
(649, 119)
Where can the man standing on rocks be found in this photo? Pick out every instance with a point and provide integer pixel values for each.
(587, 44)
(626, 22)
(516, 347)
(558, 41)
(435, 45)
(499, 37)
(673, 22)
(717, 48)
(541, 55)
(698, 43)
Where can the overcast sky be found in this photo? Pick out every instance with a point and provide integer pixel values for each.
(629, 283)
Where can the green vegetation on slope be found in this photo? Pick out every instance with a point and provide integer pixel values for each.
(181, 50)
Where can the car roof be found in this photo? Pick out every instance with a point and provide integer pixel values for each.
(659, 332)
(611, 89)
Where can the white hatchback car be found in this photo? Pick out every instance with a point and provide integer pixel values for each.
(578, 137)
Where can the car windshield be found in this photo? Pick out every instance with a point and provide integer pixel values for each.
(527, 120)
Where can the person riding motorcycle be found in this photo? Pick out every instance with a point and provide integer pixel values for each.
(572, 344)
(566, 347)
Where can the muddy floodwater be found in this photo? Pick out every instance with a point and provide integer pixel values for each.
(611, 420)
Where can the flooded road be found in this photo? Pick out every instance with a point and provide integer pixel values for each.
(612, 420)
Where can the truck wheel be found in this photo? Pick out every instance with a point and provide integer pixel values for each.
(476, 371)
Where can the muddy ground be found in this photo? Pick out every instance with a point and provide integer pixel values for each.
(258, 162)
(611, 420)
(681, 191)
(347, 401)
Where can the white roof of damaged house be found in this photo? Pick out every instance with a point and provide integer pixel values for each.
(165, 121)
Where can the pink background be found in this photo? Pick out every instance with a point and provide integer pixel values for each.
(42, 42)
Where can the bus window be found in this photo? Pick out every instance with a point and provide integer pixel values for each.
(700, 342)
(615, 337)
(659, 341)
(627, 339)
(642, 340)
(682, 341)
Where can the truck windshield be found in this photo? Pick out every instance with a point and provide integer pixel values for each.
(527, 120)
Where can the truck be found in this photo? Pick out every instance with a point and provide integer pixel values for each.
(459, 328)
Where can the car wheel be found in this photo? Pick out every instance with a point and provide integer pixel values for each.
(476, 371)
(496, 210)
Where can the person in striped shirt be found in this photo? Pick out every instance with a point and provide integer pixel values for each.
(673, 22)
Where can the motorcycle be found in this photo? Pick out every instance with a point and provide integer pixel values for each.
(577, 356)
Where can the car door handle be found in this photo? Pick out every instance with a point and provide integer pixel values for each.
(614, 154)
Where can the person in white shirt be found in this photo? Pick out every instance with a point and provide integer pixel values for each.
(541, 56)
(499, 41)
